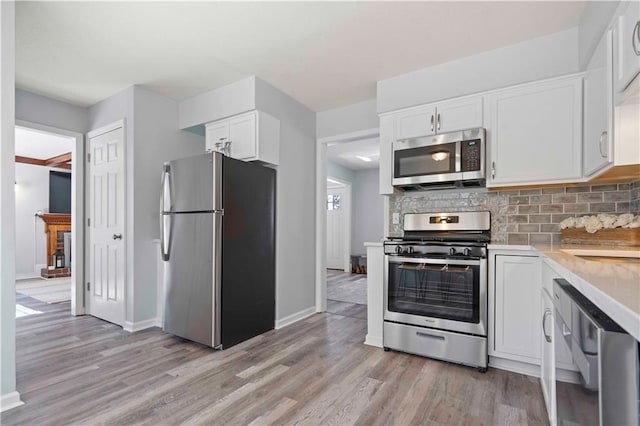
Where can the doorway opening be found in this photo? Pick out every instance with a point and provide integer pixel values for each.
(49, 213)
(352, 200)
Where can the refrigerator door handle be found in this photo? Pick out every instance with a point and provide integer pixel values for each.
(165, 219)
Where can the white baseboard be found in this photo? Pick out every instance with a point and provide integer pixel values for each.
(27, 276)
(515, 366)
(373, 341)
(9, 401)
(132, 327)
(288, 320)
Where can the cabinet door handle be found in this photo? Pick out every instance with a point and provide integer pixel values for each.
(635, 39)
(603, 141)
(432, 122)
(117, 236)
(493, 170)
(224, 146)
(547, 313)
(438, 121)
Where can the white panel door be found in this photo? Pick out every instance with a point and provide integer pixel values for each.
(216, 136)
(387, 126)
(459, 114)
(242, 134)
(598, 109)
(416, 122)
(517, 306)
(107, 224)
(547, 361)
(535, 133)
(627, 48)
(336, 227)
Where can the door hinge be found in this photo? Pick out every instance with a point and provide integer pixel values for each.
(88, 221)
(88, 286)
(88, 157)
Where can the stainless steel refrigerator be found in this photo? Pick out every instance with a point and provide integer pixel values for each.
(218, 247)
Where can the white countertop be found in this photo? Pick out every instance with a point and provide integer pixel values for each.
(613, 287)
(374, 244)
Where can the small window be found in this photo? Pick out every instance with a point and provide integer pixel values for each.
(333, 201)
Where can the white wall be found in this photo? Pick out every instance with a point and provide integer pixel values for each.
(156, 139)
(295, 200)
(50, 112)
(347, 119)
(368, 210)
(337, 171)
(8, 394)
(32, 195)
(543, 57)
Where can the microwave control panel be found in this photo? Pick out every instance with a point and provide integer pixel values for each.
(470, 155)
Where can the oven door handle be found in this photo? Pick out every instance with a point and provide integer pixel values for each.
(399, 259)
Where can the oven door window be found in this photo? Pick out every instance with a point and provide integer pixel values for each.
(425, 160)
(438, 291)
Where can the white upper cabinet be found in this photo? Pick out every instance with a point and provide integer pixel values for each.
(416, 122)
(442, 117)
(249, 137)
(387, 123)
(598, 109)
(459, 114)
(626, 50)
(534, 133)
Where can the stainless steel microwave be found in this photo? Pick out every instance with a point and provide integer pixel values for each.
(449, 160)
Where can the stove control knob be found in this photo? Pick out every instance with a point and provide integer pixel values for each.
(452, 251)
(399, 249)
(409, 250)
(467, 252)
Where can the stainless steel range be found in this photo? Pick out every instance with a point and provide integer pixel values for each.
(435, 287)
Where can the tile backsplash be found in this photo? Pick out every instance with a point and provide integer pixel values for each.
(525, 216)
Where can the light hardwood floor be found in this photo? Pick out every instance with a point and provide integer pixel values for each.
(346, 287)
(82, 370)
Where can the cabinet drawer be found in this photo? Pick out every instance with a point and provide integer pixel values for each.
(464, 349)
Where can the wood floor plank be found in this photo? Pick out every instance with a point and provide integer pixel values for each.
(81, 370)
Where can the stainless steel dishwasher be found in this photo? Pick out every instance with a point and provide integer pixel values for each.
(606, 358)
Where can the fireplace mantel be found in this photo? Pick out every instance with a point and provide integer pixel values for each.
(54, 223)
(55, 218)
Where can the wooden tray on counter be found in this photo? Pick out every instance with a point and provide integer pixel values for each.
(605, 237)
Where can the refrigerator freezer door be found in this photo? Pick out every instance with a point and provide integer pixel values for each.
(192, 278)
(195, 184)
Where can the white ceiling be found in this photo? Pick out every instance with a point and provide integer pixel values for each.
(30, 143)
(324, 54)
(346, 154)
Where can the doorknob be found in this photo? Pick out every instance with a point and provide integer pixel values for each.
(117, 236)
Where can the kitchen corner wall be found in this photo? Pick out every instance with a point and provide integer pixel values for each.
(526, 216)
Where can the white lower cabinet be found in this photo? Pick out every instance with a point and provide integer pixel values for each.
(547, 358)
(516, 304)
